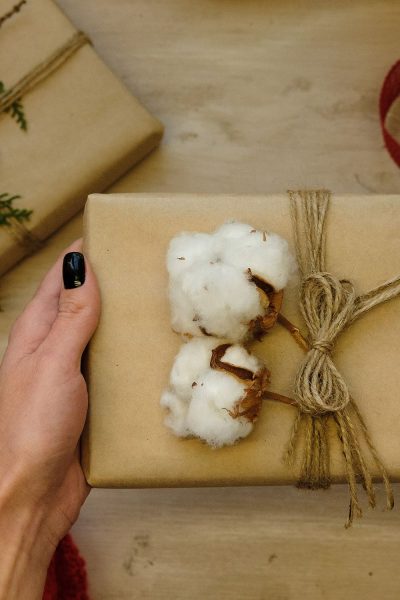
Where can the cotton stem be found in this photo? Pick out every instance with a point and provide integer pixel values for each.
(294, 332)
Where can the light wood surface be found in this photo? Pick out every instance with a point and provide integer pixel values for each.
(256, 96)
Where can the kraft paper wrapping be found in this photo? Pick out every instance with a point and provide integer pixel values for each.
(85, 129)
(126, 236)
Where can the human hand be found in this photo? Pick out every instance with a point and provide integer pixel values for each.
(43, 405)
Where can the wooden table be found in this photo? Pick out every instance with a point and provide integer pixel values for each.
(256, 96)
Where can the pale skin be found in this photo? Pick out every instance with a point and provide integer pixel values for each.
(43, 405)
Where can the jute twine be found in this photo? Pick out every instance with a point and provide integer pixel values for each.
(43, 70)
(13, 11)
(328, 306)
(18, 230)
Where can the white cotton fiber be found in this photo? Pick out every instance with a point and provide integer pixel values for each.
(208, 418)
(239, 357)
(186, 249)
(199, 397)
(176, 418)
(192, 359)
(183, 316)
(210, 289)
(223, 299)
(266, 254)
(233, 230)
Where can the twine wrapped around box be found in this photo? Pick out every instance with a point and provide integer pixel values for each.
(328, 306)
(43, 70)
(16, 227)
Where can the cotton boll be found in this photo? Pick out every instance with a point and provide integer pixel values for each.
(210, 288)
(200, 396)
(222, 298)
(188, 248)
(177, 413)
(191, 361)
(208, 418)
(267, 255)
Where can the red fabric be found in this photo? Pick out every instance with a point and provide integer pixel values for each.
(66, 577)
(390, 91)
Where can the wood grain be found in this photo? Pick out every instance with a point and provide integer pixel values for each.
(256, 96)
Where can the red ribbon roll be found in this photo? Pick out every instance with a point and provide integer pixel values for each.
(389, 93)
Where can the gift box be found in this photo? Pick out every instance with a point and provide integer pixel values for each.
(73, 130)
(126, 443)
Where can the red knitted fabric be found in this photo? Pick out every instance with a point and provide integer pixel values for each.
(390, 91)
(66, 577)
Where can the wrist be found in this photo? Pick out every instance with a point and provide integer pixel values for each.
(26, 550)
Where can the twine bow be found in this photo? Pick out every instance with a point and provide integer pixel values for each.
(328, 306)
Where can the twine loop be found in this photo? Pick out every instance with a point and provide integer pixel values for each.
(327, 304)
(324, 346)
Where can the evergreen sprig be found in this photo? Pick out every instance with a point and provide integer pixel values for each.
(16, 110)
(8, 211)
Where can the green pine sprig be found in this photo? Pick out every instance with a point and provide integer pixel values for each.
(17, 113)
(16, 110)
(8, 211)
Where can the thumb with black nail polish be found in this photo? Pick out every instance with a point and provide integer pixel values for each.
(73, 270)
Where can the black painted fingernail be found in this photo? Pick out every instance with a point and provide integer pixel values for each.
(73, 270)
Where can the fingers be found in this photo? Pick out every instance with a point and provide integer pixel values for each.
(34, 324)
(77, 315)
(58, 320)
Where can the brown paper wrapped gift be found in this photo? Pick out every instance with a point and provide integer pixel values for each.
(126, 236)
(84, 129)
